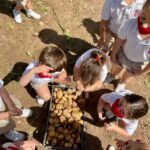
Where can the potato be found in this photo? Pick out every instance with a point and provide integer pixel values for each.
(76, 115)
(66, 105)
(59, 106)
(78, 93)
(53, 108)
(78, 139)
(56, 120)
(51, 120)
(51, 133)
(62, 118)
(54, 94)
(67, 137)
(60, 137)
(64, 98)
(74, 104)
(64, 92)
(53, 114)
(74, 97)
(51, 128)
(59, 129)
(69, 91)
(56, 111)
(59, 112)
(68, 145)
(73, 90)
(56, 89)
(53, 141)
(66, 113)
(70, 120)
(81, 100)
(59, 94)
(57, 100)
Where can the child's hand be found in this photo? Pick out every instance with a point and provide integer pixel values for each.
(110, 126)
(12, 113)
(42, 68)
(100, 115)
(15, 111)
(119, 143)
(80, 86)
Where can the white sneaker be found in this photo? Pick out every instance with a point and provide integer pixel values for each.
(17, 16)
(109, 78)
(15, 136)
(120, 87)
(111, 148)
(26, 112)
(40, 101)
(33, 14)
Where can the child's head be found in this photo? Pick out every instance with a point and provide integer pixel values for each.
(134, 106)
(145, 17)
(90, 68)
(53, 57)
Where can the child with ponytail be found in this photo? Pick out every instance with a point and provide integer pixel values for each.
(91, 70)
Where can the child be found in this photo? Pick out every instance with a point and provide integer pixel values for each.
(114, 15)
(130, 145)
(26, 4)
(126, 106)
(49, 68)
(91, 70)
(13, 109)
(131, 50)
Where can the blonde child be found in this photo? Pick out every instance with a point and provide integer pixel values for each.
(10, 106)
(126, 106)
(90, 70)
(131, 50)
(114, 15)
(49, 68)
(24, 4)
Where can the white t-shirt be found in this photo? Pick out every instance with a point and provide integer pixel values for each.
(1, 101)
(110, 98)
(36, 79)
(86, 55)
(136, 49)
(118, 12)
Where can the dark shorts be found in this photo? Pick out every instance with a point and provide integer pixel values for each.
(130, 66)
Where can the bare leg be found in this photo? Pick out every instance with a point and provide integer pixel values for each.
(43, 92)
(116, 69)
(28, 5)
(127, 76)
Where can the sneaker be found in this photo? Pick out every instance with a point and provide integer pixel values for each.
(111, 148)
(40, 101)
(109, 114)
(120, 87)
(109, 78)
(15, 136)
(33, 14)
(17, 16)
(26, 112)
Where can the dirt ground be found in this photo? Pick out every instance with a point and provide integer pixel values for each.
(72, 25)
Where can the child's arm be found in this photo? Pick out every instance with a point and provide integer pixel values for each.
(4, 115)
(118, 43)
(7, 100)
(94, 87)
(76, 77)
(25, 79)
(116, 128)
(102, 105)
(103, 32)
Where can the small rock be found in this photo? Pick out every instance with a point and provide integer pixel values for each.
(35, 34)
(41, 23)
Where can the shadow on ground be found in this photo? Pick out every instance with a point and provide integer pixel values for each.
(73, 47)
(93, 28)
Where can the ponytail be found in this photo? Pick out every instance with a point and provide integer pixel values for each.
(90, 68)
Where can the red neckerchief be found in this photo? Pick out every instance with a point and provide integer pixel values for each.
(141, 29)
(116, 108)
(13, 148)
(41, 75)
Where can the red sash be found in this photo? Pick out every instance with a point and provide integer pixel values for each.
(141, 29)
(41, 75)
(116, 108)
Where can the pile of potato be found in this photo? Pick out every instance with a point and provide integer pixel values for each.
(65, 123)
